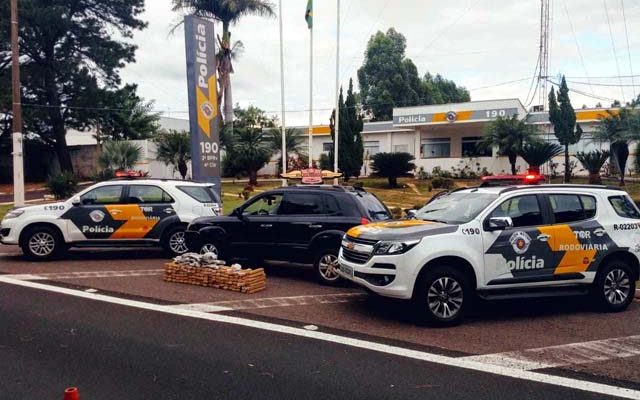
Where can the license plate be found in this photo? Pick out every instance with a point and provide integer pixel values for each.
(347, 270)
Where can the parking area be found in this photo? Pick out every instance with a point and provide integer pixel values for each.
(560, 336)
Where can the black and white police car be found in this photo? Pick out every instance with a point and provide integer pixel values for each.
(502, 242)
(116, 213)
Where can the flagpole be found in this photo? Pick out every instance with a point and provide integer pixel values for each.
(337, 121)
(284, 140)
(311, 91)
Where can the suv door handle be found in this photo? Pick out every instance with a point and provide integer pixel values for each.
(544, 237)
(115, 212)
(266, 225)
(312, 226)
(168, 210)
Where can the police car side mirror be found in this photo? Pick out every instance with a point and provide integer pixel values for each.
(411, 214)
(499, 223)
(76, 201)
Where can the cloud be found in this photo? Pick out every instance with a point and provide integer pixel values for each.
(477, 43)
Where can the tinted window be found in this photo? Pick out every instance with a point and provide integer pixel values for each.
(148, 194)
(377, 211)
(624, 207)
(201, 193)
(568, 207)
(523, 210)
(331, 206)
(301, 204)
(103, 195)
(589, 206)
(265, 205)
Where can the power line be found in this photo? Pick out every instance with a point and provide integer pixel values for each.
(603, 77)
(534, 78)
(583, 93)
(613, 44)
(575, 39)
(604, 84)
(626, 34)
(500, 84)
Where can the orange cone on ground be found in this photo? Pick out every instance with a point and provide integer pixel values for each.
(71, 394)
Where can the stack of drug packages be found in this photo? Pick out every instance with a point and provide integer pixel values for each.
(207, 270)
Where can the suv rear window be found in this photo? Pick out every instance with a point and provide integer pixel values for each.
(572, 207)
(204, 194)
(624, 207)
(377, 211)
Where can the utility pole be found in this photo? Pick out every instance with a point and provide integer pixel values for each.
(543, 75)
(337, 121)
(18, 163)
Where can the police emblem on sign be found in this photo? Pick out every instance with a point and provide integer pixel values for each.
(520, 242)
(96, 216)
(207, 110)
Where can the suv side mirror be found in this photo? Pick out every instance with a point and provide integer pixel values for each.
(76, 201)
(237, 212)
(500, 223)
(411, 214)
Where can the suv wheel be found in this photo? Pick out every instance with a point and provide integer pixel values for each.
(614, 287)
(174, 242)
(442, 295)
(42, 243)
(326, 267)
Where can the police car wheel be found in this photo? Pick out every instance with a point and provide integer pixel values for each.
(614, 287)
(42, 243)
(442, 296)
(326, 267)
(174, 242)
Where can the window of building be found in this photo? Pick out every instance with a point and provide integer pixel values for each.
(327, 146)
(401, 148)
(436, 147)
(471, 148)
(371, 148)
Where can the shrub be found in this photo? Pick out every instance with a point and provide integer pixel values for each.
(119, 155)
(392, 166)
(538, 153)
(62, 185)
(438, 171)
(593, 162)
(443, 183)
(325, 162)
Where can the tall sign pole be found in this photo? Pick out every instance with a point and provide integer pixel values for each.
(337, 121)
(18, 163)
(284, 138)
(309, 18)
(204, 115)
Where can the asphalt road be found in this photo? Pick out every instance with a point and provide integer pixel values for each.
(49, 341)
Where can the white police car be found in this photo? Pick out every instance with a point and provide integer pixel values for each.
(502, 242)
(117, 213)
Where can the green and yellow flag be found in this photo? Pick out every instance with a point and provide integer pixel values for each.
(308, 15)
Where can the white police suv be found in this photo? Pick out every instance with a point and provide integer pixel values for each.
(117, 213)
(502, 242)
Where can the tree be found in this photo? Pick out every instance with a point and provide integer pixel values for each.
(227, 12)
(509, 135)
(619, 129)
(174, 148)
(593, 162)
(71, 53)
(133, 119)
(563, 118)
(392, 166)
(119, 155)
(537, 153)
(294, 139)
(350, 145)
(389, 79)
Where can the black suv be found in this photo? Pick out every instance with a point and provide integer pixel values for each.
(303, 224)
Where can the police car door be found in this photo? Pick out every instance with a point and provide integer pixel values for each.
(517, 250)
(146, 211)
(91, 219)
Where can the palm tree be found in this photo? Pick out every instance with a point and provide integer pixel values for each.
(294, 139)
(250, 151)
(509, 135)
(228, 12)
(119, 155)
(174, 148)
(593, 162)
(537, 153)
(619, 130)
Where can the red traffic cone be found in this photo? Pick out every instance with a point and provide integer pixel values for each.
(71, 393)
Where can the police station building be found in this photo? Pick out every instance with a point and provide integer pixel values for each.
(446, 135)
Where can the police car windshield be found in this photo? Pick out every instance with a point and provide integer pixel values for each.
(456, 207)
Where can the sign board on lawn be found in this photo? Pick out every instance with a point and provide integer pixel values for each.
(203, 100)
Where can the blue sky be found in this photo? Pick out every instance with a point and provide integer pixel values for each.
(477, 43)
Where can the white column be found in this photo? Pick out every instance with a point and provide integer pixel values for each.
(337, 127)
(311, 93)
(284, 140)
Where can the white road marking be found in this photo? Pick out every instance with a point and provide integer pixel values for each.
(567, 354)
(462, 362)
(86, 274)
(268, 302)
